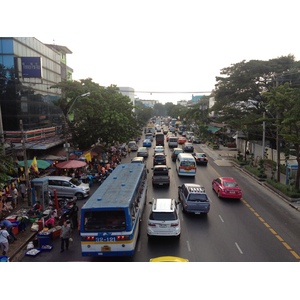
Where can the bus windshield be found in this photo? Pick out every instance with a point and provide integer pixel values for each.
(108, 220)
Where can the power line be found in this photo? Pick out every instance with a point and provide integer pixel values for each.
(165, 92)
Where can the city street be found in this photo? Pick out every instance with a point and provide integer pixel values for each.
(259, 228)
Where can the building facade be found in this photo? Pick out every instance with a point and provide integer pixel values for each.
(28, 70)
(148, 103)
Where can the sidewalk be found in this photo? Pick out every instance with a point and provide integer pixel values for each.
(15, 248)
(225, 155)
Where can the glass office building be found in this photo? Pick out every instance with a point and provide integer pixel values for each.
(28, 69)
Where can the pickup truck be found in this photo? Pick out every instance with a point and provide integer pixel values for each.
(160, 175)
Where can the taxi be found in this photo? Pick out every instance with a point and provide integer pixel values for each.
(169, 259)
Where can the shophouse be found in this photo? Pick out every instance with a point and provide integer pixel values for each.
(28, 118)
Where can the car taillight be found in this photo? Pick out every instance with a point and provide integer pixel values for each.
(174, 224)
(152, 224)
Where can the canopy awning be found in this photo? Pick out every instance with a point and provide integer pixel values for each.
(71, 164)
(41, 164)
(213, 129)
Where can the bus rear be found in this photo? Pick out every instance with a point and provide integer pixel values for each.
(160, 139)
(110, 219)
(107, 232)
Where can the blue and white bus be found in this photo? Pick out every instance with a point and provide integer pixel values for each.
(110, 219)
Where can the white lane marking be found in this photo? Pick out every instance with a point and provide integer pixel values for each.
(236, 244)
(188, 246)
(221, 218)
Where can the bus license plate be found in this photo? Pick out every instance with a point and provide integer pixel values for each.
(105, 249)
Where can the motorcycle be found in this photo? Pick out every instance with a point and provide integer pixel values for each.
(69, 211)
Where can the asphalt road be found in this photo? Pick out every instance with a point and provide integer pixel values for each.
(259, 228)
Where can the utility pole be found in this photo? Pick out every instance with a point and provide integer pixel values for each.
(264, 137)
(277, 140)
(67, 145)
(2, 132)
(278, 148)
(28, 187)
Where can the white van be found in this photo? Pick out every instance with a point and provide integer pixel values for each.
(173, 142)
(133, 145)
(186, 164)
(67, 187)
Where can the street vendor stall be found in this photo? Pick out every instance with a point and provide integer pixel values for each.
(71, 164)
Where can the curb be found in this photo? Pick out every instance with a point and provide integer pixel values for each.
(292, 202)
(18, 254)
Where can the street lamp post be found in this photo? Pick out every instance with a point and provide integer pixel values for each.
(26, 170)
(67, 145)
(254, 104)
(264, 137)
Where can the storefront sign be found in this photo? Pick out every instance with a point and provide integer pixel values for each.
(31, 67)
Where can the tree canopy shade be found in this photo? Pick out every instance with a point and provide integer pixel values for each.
(7, 168)
(248, 80)
(274, 88)
(285, 102)
(105, 115)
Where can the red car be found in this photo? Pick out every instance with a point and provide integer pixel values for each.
(226, 187)
(181, 140)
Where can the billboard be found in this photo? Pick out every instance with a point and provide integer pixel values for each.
(31, 67)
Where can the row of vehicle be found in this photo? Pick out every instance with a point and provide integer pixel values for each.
(164, 216)
(192, 198)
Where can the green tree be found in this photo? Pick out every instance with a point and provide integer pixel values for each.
(249, 81)
(159, 110)
(285, 102)
(143, 112)
(7, 167)
(104, 115)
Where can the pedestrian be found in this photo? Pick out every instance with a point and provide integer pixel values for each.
(65, 235)
(24, 222)
(129, 151)
(22, 188)
(12, 193)
(4, 236)
(49, 223)
(15, 195)
(9, 227)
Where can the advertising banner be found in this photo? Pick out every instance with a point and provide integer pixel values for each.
(31, 67)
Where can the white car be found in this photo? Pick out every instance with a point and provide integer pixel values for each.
(133, 145)
(159, 149)
(142, 152)
(164, 218)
